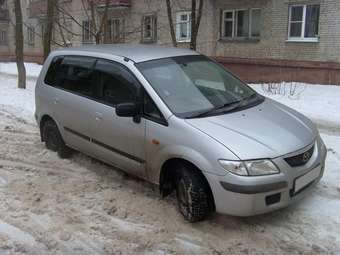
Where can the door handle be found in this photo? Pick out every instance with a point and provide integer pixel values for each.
(55, 100)
(99, 116)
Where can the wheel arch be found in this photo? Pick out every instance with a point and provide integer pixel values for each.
(168, 177)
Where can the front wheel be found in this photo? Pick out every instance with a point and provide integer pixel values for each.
(193, 195)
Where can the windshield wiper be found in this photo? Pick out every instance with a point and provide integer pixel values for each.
(233, 105)
(228, 107)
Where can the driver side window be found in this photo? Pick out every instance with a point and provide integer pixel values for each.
(115, 84)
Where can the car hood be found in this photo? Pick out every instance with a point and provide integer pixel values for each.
(267, 130)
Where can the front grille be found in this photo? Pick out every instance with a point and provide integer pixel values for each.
(301, 159)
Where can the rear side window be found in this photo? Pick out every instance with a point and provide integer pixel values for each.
(72, 73)
(50, 77)
(114, 83)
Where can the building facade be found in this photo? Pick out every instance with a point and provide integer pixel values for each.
(260, 40)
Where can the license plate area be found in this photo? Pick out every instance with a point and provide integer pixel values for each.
(303, 181)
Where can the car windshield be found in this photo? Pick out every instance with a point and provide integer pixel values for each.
(193, 86)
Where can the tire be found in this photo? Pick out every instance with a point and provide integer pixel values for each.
(54, 141)
(193, 195)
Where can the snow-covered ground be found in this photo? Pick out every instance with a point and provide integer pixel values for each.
(81, 206)
(32, 69)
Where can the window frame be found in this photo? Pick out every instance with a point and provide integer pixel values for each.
(67, 90)
(235, 24)
(162, 120)
(178, 26)
(232, 20)
(111, 29)
(30, 35)
(139, 86)
(153, 29)
(251, 22)
(90, 39)
(302, 38)
(3, 38)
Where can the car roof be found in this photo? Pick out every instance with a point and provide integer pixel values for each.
(137, 53)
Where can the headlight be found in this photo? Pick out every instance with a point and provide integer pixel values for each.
(250, 168)
(236, 167)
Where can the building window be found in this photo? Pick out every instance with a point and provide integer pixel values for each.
(241, 23)
(304, 22)
(149, 28)
(255, 22)
(183, 26)
(3, 38)
(30, 35)
(87, 32)
(115, 31)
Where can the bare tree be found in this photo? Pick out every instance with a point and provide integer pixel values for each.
(99, 29)
(49, 27)
(171, 23)
(195, 21)
(19, 45)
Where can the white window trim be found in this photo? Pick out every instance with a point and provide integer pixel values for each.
(251, 22)
(120, 36)
(30, 35)
(3, 41)
(153, 36)
(302, 38)
(234, 24)
(178, 22)
(232, 20)
(89, 40)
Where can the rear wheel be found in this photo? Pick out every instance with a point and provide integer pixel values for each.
(193, 195)
(53, 139)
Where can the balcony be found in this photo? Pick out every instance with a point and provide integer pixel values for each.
(37, 8)
(113, 3)
(4, 15)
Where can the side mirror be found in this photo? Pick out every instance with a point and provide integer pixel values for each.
(126, 110)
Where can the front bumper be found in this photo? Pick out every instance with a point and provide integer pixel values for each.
(247, 196)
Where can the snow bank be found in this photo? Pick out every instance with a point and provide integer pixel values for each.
(19, 102)
(32, 69)
(321, 103)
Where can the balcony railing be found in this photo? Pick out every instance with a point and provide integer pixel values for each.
(37, 8)
(113, 3)
(4, 15)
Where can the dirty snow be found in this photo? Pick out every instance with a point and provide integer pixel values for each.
(81, 206)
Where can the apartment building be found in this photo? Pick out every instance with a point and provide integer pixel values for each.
(260, 40)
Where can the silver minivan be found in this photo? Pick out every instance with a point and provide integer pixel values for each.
(179, 120)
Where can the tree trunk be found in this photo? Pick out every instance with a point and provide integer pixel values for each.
(48, 28)
(103, 23)
(193, 25)
(171, 24)
(195, 22)
(19, 45)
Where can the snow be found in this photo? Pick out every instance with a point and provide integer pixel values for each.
(32, 69)
(18, 101)
(319, 102)
(80, 206)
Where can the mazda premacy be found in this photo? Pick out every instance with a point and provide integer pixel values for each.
(180, 120)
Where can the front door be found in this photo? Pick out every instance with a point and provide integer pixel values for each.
(116, 140)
